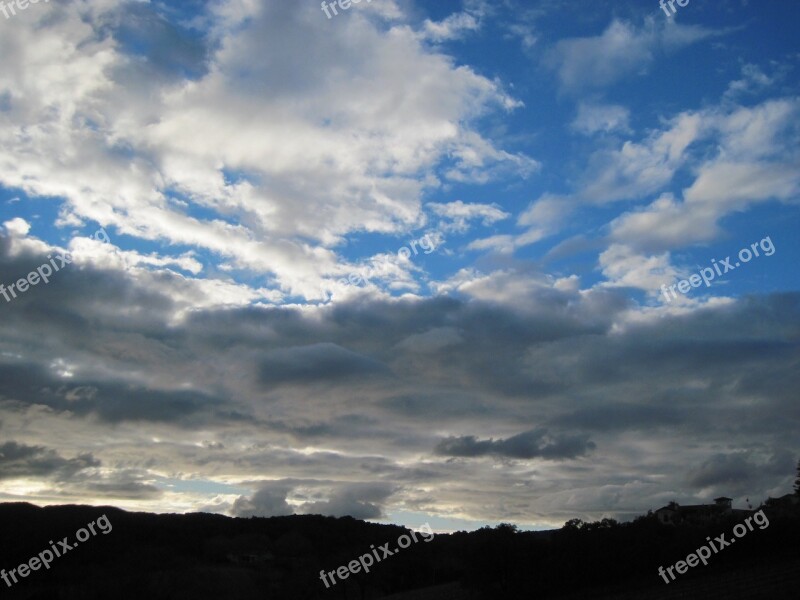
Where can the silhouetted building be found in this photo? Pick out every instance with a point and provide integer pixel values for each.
(698, 514)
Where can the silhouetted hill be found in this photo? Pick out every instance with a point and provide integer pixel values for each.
(198, 556)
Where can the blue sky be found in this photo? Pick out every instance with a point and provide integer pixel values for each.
(561, 160)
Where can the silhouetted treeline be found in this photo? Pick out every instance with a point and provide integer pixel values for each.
(593, 558)
(198, 556)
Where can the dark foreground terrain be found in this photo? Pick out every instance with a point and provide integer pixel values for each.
(198, 556)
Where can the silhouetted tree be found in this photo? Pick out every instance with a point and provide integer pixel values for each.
(797, 481)
(574, 525)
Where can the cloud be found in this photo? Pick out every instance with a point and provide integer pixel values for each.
(111, 401)
(458, 25)
(536, 443)
(17, 227)
(597, 118)
(753, 162)
(23, 461)
(241, 155)
(623, 417)
(545, 214)
(453, 27)
(318, 363)
(624, 267)
(269, 501)
(632, 171)
(128, 490)
(542, 218)
(357, 500)
(457, 215)
(663, 224)
(519, 346)
(640, 168)
(739, 472)
(620, 51)
(312, 398)
(753, 81)
(434, 340)
(269, 177)
(739, 157)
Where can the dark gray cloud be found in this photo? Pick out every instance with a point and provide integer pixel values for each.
(125, 489)
(20, 460)
(740, 472)
(536, 443)
(346, 425)
(440, 405)
(111, 401)
(317, 362)
(314, 394)
(624, 417)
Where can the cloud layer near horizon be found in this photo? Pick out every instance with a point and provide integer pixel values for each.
(315, 402)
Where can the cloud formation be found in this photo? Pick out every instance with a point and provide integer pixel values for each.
(536, 443)
(20, 460)
(244, 157)
(621, 50)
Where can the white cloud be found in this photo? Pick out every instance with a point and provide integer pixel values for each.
(342, 139)
(755, 161)
(663, 224)
(546, 213)
(624, 267)
(451, 28)
(17, 227)
(638, 169)
(753, 81)
(542, 218)
(457, 215)
(606, 118)
(621, 50)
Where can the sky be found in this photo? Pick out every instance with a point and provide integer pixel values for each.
(456, 262)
